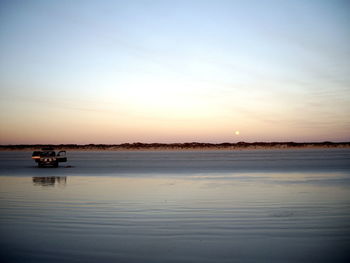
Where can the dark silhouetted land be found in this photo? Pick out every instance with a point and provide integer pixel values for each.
(138, 146)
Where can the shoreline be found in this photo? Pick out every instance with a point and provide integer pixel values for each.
(181, 146)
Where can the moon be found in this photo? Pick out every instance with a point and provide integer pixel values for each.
(237, 132)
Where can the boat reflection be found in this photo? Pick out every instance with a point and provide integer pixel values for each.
(50, 180)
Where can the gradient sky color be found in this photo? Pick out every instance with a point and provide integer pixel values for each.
(174, 71)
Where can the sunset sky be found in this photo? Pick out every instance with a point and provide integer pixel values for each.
(174, 71)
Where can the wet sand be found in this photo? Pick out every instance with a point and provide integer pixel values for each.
(145, 207)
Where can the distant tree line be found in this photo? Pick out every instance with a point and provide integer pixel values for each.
(187, 145)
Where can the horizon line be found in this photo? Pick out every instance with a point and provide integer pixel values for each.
(176, 143)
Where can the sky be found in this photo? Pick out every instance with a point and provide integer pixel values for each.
(174, 71)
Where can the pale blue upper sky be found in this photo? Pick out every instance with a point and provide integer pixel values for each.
(173, 71)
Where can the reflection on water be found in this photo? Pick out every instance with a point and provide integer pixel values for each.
(280, 217)
(50, 180)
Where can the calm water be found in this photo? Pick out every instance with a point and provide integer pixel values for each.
(248, 206)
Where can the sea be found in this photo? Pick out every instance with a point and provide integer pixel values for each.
(177, 206)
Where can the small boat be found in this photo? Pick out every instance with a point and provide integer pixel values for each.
(47, 157)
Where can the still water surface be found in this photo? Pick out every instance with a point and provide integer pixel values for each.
(177, 207)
